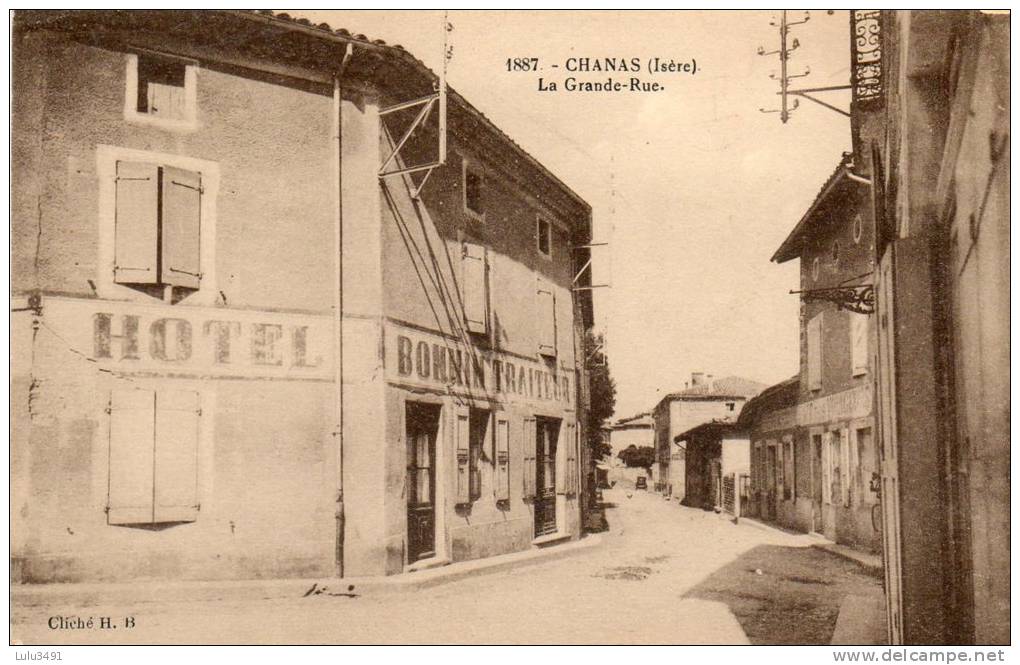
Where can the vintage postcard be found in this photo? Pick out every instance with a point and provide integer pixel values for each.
(350, 327)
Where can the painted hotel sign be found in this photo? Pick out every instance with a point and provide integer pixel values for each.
(431, 361)
(193, 341)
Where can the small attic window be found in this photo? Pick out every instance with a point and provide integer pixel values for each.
(160, 91)
(160, 87)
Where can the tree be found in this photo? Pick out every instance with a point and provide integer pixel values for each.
(638, 457)
(602, 391)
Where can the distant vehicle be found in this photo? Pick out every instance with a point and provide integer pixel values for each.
(641, 483)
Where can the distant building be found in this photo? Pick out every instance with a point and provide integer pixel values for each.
(717, 455)
(636, 431)
(703, 400)
(834, 447)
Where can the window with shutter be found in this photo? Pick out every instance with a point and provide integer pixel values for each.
(136, 224)
(176, 462)
(529, 458)
(132, 438)
(462, 435)
(814, 353)
(153, 461)
(546, 317)
(473, 279)
(161, 91)
(181, 226)
(859, 343)
(502, 459)
(157, 225)
(480, 419)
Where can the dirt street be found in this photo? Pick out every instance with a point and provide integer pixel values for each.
(662, 574)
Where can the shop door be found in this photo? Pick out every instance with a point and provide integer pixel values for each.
(546, 433)
(422, 426)
(889, 470)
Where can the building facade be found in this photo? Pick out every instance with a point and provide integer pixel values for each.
(834, 448)
(636, 431)
(195, 197)
(702, 401)
(717, 456)
(777, 492)
(940, 194)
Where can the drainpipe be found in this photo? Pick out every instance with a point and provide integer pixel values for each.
(338, 308)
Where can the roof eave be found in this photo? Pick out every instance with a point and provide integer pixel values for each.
(791, 247)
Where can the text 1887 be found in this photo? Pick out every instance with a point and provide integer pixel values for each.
(522, 64)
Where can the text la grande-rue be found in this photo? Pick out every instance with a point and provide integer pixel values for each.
(571, 84)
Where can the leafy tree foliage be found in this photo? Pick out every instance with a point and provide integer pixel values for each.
(602, 390)
(638, 456)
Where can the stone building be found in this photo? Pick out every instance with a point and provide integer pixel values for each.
(703, 400)
(240, 352)
(834, 452)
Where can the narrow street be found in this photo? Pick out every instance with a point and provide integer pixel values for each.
(662, 574)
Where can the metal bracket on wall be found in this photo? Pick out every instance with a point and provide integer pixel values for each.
(859, 298)
(437, 98)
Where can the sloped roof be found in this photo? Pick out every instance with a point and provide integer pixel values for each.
(780, 396)
(730, 387)
(641, 420)
(832, 193)
(316, 49)
(715, 427)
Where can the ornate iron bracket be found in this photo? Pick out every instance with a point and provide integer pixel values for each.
(859, 299)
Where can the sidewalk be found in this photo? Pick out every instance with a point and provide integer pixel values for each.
(32, 595)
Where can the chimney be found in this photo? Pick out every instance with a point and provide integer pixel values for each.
(697, 379)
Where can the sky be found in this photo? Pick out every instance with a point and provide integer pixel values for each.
(692, 187)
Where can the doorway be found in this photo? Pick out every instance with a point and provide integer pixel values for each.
(422, 428)
(547, 432)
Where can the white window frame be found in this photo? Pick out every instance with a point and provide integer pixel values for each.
(468, 164)
(107, 157)
(131, 114)
(539, 219)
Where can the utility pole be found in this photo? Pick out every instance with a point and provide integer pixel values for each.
(785, 92)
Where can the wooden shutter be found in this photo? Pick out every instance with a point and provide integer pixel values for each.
(546, 316)
(827, 467)
(462, 436)
(132, 438)
(182, 204)
(135, 224)
(814, 353)
(529, 458)
(502, 458)
(166, 101)
(475, 293)
(859, 343)
(568, 438)
(176, 461)
(845, 474)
